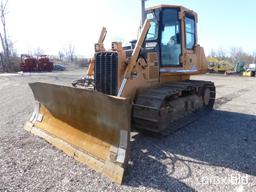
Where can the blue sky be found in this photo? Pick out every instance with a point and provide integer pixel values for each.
(53, 24)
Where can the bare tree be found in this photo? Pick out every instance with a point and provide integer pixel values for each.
(70, 52)
(221, 53)
(12, 50)
(3, 36)
(254, 57)
(38, 51)
(61, 55)
(237, 55)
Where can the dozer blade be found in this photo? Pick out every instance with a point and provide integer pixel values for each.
(91, 127)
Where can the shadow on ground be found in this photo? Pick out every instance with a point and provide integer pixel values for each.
(222, 139)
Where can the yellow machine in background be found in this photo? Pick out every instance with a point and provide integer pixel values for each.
(147, 87)
(250, 70)
(248, 73)
(219, 66)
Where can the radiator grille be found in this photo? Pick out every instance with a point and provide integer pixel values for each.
(106, 67)
(153, 72)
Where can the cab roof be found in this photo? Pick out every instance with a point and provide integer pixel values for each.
(171, 6)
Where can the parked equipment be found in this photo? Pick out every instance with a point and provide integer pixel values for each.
(239, 67)
(250, 71)
(219, 66)
(147, 88)
(44, 63)
(31, 64)
(28, 63)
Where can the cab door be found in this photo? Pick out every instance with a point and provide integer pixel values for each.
(170, 42)
(190, 43)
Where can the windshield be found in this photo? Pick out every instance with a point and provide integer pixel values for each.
(170, 38)
(153, 30)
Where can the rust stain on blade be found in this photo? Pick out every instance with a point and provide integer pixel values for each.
(87, 120)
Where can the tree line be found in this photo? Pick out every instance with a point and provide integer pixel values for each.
(7, 45)
(233, 56)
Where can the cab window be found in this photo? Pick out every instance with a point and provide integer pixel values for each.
(153, 30)
(190, 32)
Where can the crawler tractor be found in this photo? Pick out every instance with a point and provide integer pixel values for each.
(145, 87)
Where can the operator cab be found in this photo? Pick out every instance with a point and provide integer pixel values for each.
(172, 34)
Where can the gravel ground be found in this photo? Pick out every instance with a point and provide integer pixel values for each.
(215, 153)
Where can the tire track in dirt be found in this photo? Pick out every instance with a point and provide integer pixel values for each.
(223, 100)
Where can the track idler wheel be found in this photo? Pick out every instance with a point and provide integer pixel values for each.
(208, 97)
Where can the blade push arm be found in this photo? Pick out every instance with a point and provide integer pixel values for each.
(135, 55)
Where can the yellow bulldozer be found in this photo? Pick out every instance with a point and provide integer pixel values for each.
(145, 87)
